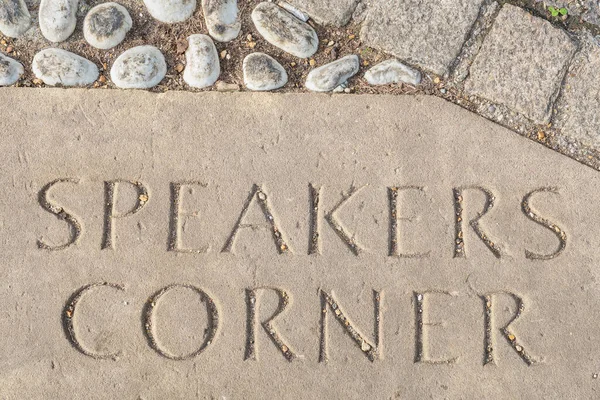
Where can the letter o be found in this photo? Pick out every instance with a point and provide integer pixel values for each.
(213, 321)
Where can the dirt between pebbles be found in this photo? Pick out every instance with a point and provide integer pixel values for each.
(334, 43)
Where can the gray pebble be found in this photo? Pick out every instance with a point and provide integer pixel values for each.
(14, 18)
(171, 11)
(332, 75)
(282, 29)
(140, 67)
(58, 19)
(263, 72)
(106, 25)
(392, 71)
(222, 19)
(202, 62)
(57, 66)
(10, 70)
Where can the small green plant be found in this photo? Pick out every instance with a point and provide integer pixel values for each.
(555, 12)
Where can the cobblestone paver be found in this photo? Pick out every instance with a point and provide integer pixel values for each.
(522, 63)
(579, 105)
(426, 33)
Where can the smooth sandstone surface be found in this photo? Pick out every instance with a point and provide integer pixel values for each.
(208, 150)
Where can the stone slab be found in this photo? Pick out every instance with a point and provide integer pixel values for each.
(189, 162)
(521, 63)
(426, 33)
(579, 102)
(328, 12)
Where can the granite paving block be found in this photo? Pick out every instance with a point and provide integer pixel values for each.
(579, 105)
(328, 12)
(521, 63)
(427, 33)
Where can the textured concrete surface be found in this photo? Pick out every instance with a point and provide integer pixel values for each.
(522, 63)
(327, 12)
(427, 33)
(579, 105)
(135, 192)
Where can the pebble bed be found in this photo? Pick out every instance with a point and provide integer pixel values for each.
(144, 67)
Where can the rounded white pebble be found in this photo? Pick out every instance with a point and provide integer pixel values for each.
(57, 66)
(10, 70)
(171, 11)
(392, 71)
(330, 76)
(106, 25)
(15, 19)
(58, 19)
(202, 62)
(262, 72)
(282, 29)
(222, 20)
(141, 67)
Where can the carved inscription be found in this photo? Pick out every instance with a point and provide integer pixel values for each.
(110, 189)
(370, 350)
(337, 226)
(421, 354)
(60, 213)
(508, 335)
(69, 314)
(314, 242)
(252, 300)
(315, 215)
(149, 323)
(395, 217)
(256, 322)
(176, 213)
(555, 229)
(459, 241)
(258, 193)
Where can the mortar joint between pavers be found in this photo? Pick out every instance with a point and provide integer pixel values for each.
(485, 20)
(572, 23)
(559, 90)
